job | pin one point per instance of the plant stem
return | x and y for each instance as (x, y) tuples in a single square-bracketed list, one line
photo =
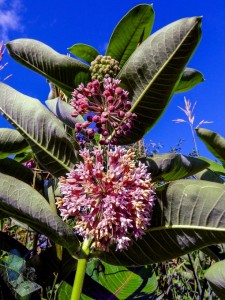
[(195, 275), (194, 140), (81, 269)]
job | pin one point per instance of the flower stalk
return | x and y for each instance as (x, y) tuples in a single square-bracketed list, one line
[(81, 270)]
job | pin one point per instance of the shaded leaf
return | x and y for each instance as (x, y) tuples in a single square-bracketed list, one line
[(188, 215), (44, 133), (152, 71), (214, 142), (189, 79), (24, 156), (25, 204), (13, 168), (85, 52), (168, 167), (11, 142), (209, 175), (62, 70), (63, 111), (130, 32), (216, 277)]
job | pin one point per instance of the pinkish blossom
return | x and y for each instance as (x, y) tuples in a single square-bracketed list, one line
[(107, 108), (110, 196)]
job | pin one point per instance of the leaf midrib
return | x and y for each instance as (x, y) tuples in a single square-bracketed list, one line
[(33, 67), (162, 68), (32, 139), (183, 227)]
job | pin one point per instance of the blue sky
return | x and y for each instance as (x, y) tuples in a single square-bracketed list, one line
[(62, 24)]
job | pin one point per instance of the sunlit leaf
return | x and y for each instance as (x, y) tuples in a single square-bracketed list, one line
[(214, 142), (25, 204), (216, 277), (119, 282), (104, 281), (62, 70), (130, 32), (43, 132), (152, 71), (213, 165), (11, 142), (63, 111), (190, 78), (168, 167), (85, 52)]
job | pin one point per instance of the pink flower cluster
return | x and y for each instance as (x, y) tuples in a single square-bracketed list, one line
[(110, 197), (107, 106)]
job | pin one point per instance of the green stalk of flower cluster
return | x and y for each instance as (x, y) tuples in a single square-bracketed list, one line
[(81, 270)]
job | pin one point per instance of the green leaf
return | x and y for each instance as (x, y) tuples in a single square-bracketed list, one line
[(104, 281), (130, 32), (152, 71), (24, 156), (44, 133), (213, 165), (189, 79), (25, 204), (168, 167), (209, 175), (216, 277), (85, 52), (188, 215), (13, 168), (214, 142), (119, 282), (64, 291), (63, 111), (11, 142), (62, 70)]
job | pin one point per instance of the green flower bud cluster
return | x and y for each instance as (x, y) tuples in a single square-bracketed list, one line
[(104, 67)]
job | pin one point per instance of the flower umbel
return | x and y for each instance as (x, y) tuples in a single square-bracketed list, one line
[(110, 200), (107, 106)]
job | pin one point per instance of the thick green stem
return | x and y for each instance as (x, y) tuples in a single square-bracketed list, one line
[(81, 269)]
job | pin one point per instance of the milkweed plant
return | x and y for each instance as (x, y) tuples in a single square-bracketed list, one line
[(101, 211)]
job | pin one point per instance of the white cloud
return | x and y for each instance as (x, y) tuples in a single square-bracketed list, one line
[(10, 18)]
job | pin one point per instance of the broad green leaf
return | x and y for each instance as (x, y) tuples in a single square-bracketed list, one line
[(213, 165), (188, 215), (209, 175), (216, 277), (63, 111), (152, 71), (130, 32), (64, 291), (25, 204), (24, 156), (168, 167), (13, 168), (119, 282), (43, 132), (104, 281), (190, 78), (85, 52), (214, 142), (62, 70), (11, 142)]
